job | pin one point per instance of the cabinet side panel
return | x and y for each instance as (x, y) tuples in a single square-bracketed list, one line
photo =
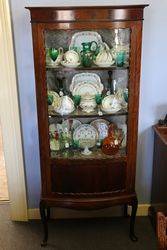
[(41, 103), (134, 89)]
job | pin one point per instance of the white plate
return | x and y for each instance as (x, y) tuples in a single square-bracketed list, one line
[(85, 89), (102, 127), (86, 135), (87, 78), (83, 37), (65, 64), (74, 123)]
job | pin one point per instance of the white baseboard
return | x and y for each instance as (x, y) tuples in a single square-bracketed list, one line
[(62, 213)]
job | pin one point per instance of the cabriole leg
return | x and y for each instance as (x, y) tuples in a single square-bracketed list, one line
[(44, 219), (126, 210), (134, 205), (48, 213)]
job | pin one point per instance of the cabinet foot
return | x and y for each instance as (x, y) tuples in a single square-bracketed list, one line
[(44, 219), (134, 205)]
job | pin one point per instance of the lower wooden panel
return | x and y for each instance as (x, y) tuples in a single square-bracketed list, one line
[(88, 177)]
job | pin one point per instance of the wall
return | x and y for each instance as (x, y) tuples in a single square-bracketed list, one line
[(153, 98)]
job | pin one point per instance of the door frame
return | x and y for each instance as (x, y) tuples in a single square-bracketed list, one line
[(10, 119)]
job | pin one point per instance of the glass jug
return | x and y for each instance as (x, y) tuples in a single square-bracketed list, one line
[(88, 53)]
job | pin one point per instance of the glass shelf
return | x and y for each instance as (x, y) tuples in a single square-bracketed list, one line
[(62, 68), (97, 154), (82, 114)]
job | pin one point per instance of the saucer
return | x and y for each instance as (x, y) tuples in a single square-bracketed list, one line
[(69, 65), (103, 65)]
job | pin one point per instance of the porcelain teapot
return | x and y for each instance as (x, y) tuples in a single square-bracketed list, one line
[(104, 57), (71, 57)]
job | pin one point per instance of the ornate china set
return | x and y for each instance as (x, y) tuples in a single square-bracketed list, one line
[(87, 86), (86, 48), (86, 93), (71, 133)]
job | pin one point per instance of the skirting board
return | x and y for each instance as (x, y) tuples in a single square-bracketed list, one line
[(61, 213)]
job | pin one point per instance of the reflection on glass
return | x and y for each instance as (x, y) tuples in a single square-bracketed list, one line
[(83, 96)]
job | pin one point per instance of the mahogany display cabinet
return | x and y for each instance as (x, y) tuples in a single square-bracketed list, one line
[(87, 71)]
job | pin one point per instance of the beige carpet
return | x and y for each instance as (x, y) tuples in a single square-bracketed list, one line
[(3, 179)]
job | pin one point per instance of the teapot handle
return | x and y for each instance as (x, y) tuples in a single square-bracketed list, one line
[(93, 42), (60, 50)]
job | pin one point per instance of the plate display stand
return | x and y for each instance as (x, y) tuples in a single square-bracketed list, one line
[(87, 70)]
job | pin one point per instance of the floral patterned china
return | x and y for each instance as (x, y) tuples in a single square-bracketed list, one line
[(86, 78), (111, 104), (86, 134), (85, 89), (104, 57), (71, 59), (88, 103), (66, 106), (102, 127), (84, 37), (54, 99)]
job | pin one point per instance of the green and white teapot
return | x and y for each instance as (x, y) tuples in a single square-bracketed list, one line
[(104, 57)]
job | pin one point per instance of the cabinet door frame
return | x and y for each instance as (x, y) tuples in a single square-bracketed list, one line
[(38, 30), (10, 119)]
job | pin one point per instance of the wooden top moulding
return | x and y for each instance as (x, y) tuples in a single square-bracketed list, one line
[(90, 13)]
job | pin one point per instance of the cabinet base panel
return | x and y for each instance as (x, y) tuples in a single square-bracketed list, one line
[(88, 204)]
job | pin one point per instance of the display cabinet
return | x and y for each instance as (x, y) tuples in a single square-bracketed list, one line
[(87, 71)]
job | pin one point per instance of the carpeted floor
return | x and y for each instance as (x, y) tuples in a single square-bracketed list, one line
[(91, 234)]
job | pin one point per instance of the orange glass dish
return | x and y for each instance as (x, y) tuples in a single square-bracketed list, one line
[(112, 142)]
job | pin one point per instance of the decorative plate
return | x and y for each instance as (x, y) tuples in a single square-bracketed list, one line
[(82, 37), (102, 127), (69, 65), (56, 99), (85, 89), (74, 123), (66, 106), (86, 135), (86, 78), (110, 104)]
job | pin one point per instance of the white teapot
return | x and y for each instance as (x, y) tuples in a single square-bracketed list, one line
[(104, 57), (71, 57)]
